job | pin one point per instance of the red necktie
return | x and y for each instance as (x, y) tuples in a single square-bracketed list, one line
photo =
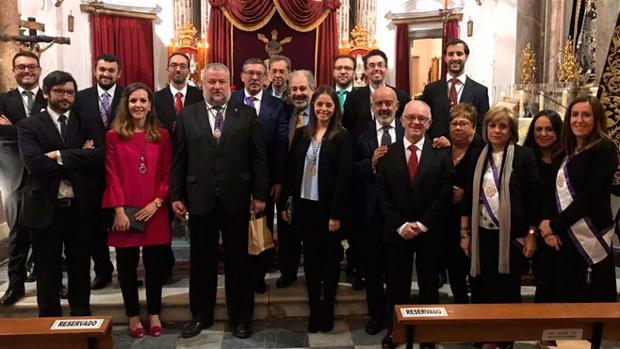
[(452, 95), (412, 164), (178, 103)]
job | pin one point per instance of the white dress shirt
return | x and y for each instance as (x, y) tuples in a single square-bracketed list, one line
[(460, 83), (419, 145), (174, 91), (25, 99), (256, 100)]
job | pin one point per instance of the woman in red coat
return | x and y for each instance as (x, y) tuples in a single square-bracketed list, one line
[(137, 159)]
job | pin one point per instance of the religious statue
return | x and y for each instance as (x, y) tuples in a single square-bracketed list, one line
[(274, 47)]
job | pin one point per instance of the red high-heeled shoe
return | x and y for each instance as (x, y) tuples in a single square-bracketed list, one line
[(137, 333), (156, 331)]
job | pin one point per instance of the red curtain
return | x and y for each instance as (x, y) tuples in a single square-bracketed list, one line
[(131, 40), (450, 31), (402, 57), (218, 37), (327, 50)]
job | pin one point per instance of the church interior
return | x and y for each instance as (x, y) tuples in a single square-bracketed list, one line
[(531, 55)]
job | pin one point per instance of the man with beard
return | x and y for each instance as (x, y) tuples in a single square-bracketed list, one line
[(456, 88), (344, 68), (279, 68), (96, 105), (220, 176), (370, 144), (16, 105), (273, 120), (357, 109), (63, 156)]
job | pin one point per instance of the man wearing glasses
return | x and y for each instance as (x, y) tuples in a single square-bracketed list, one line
[(16, 105), (344, 68), (357, 109)]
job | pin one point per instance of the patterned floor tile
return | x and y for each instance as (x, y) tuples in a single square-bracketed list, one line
[(339, 336)]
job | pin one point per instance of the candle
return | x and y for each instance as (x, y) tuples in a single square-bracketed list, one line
[(521, 103), (565, 98), (541, 101)]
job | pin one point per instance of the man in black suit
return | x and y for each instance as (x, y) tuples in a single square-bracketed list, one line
[(219, 175), (96, 106), (457, 87), (357, 106), (370, 144), (414, 189), (273, 120), (16, 105), (344, 68), (178, 94), (279, 68), (62, 155)]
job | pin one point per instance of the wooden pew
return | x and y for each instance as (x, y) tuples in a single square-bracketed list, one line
[(37, 333), (506, 322)]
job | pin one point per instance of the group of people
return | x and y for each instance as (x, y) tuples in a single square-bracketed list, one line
[(367, 164)]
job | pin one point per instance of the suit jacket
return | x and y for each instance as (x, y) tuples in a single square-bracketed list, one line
[(364, 177), (37, 135), (274, 122), (436, 96), (87, 107), (335, 164), (164, 105), (425, 201), (357, 106), (233, 171), (11, 166)]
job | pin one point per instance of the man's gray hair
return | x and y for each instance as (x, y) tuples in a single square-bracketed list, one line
[(424, 104), (216, 67), (307, 74)]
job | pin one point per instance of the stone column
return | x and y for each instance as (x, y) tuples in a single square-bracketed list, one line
[(556, 17), (530, 28), (9, 25)]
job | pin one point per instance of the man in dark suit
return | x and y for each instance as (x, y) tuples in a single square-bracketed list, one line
[(370, 144), (61, 155), (457, 87), (344, 68), (170, 100), (16, 105), (279, 68), (219, 175), (357, 106), (414, 189), (273, 120), (96, 106)]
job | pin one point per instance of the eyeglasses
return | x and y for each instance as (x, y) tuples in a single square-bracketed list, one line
[(461, 124), (254, 72), (60, 92), (23, 67), (412, 118), (345, 67), (376, 65), (183, 66)]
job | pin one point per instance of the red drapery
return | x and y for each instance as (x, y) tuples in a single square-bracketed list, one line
[(402, 57), (251, 15), (450, 31), (131, 40)]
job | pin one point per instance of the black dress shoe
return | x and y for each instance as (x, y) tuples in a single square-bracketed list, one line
[(284, 281), (388, 342), (327, 324), (260, 287), (373, 327), (32, 277), (242, 330), (314, 322), (359, 283), (100, 282), (63, 292), (12, 296), (193, 328)]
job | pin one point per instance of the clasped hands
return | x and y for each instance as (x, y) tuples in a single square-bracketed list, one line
[(121, 221), (411, 230), (551, 238)]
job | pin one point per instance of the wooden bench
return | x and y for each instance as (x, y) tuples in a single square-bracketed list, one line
[(37, 333), (506, 322)]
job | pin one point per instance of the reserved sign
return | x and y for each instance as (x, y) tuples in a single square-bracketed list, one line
[(77, 324), (562, 334), (423, 312)]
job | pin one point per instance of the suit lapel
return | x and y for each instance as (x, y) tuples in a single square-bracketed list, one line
[(73, 130), (201, 118), (371, 136), (39, 103), (467, 94), (365, 103), (229, 120), (20, 109), (50, 126), (401, 162)]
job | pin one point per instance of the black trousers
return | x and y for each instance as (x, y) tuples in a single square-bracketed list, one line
[(453, 258), (19, 241), (373, 265), (262, 262), (289, 246), (68, 229), (545, 269), (100, 251), (399, 265), (154, 270), (322, 254), (491, 286), (204, 241)]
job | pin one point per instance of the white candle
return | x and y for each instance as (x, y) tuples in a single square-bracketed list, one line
[(541, 101), (565, 98), (521, 103)]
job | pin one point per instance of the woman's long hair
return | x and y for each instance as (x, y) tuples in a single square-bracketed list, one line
[(569, 140), (556, 123), (123, 124), (336, 120)]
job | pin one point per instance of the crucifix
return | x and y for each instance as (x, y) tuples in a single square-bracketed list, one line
[(32, 40)]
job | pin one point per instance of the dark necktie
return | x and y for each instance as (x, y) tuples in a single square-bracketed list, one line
[(29, 100), (413, 162), (249, 101), (178, 103), (386, 139), (342, 96), (453, 95), (105, 109), (62, 120), (218, 125)]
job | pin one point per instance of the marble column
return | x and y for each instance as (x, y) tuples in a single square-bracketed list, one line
[(530, 28), (9, 24), (557, 14)]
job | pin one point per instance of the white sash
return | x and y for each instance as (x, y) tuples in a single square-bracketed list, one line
[(593, 245)]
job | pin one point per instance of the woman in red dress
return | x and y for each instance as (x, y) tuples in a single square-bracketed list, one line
[(138, 153)]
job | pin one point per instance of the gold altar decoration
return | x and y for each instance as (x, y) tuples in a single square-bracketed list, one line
[(187, 41), (528, 70), (569, 70), (274, 47), (360, 40)]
